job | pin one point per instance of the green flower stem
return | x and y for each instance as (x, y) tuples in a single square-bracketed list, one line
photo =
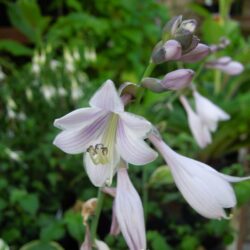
[(148, 70), (98, 210), (217, 81), (141, 91), (151, 66)]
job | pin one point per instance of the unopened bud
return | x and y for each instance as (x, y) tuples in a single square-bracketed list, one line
[(196, 54), (177, 79), (152, 84), (170, 50), (171, 27), (189, 25)]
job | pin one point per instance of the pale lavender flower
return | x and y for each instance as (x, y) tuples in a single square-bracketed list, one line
[(197, 54), (199, 130), (104, 132), (208, 112), (129, 212), (226, 65), (206, 190)]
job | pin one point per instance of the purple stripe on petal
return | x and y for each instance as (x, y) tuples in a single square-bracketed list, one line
[(77, 141), (78, 118), (107, 98)]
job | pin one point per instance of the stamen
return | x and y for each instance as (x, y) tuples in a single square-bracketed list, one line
[(98, 154)]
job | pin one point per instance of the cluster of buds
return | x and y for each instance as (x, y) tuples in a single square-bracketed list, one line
[(179, 43)]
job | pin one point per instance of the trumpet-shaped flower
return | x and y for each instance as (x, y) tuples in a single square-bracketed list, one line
[(199, 130), (206, 190), (226, 65), (129, 212), (104, 132), (209, 113)]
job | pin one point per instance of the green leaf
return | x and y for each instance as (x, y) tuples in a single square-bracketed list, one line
[(242, 190), (74, 225), (161, 176), (53, 231), (39, 245), (189, 243), (30, 203), (157, 241)]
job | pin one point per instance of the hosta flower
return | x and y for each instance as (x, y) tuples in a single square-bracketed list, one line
[(128, 212), (209, 113), (226, 65), (199, 129), (104, 132), (205, 189)]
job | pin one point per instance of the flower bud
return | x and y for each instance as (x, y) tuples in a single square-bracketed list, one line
[(153, 84), (171, 27), (177, 79), (170, 50), (189, 25), (196, 54)]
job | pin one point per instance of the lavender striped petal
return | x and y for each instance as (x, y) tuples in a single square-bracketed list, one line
[(78, 118), (136, 123), (76, 141), (133, 149), (129, 212), (107, 98)]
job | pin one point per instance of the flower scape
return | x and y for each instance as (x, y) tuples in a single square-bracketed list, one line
[(111, 138)]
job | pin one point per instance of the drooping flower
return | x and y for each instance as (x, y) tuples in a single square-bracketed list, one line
[(199, 130), (104, 132), (226, 65), (209, 113), (128, 212), (205, 189)]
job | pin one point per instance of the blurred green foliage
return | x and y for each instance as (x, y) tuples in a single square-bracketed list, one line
[(67, 58)]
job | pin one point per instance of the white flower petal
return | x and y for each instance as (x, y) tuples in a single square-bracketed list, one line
[(199, 130), (129, 212), (132, 149), (136, 123), (76, 141), (205, 189), (209, 113), (98, 174), (100, 245), (107, 98), (78, 118)]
